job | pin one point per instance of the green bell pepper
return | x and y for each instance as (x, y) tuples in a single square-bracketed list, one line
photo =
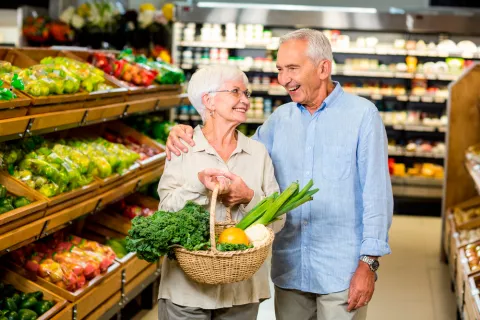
[(26, 314), (20, 202), (28, 303)]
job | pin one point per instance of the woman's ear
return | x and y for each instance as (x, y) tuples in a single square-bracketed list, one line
[(207, 101)]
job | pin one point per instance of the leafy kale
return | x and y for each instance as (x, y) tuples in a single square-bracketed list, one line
[(232, 247), (153, 237)]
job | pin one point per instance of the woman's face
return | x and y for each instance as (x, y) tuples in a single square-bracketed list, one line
[(231, 102)]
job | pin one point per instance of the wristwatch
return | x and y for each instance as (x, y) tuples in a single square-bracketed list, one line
[(372, 263)]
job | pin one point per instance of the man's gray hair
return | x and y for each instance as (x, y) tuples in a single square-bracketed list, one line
[(319, 47), (208, 79)]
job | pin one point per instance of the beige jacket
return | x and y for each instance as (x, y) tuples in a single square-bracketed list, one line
[(179, 183)]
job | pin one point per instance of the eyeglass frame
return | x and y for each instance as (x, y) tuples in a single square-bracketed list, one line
[(247, 92)]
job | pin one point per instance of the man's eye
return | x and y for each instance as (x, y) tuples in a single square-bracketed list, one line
[(235, 91)]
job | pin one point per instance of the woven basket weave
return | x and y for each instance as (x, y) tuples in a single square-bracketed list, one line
[(216, 267)]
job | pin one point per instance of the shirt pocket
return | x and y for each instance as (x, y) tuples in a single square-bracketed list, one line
[(336, 162)]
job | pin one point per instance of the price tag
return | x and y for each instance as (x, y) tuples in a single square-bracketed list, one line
[(427, 99), (414, 98), (377, 97), (402, 98), (440, 100)]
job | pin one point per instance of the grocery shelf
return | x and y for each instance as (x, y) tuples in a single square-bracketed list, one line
[(474, 171), (417, 187), (378, 50), (20, 127), (401, 152), (416, 128)]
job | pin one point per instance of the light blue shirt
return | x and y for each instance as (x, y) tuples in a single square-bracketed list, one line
[(343, 148)]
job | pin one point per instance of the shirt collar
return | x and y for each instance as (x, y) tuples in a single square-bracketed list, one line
[(201, 143), (330, 99)]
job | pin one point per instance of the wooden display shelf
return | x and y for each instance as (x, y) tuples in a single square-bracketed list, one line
[(19, 216), (25, 234), (64, 199), (65, 314), (463, 131), (120, 129), (20, 101), (131, 265), (113, 301), (471, 310), (13, 113), (469, 204), (92, 284), (26, 286), (39, 54), (132, 286), (463, 272)]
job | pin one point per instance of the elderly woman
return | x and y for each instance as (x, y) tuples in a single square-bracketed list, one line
[(243, 170)]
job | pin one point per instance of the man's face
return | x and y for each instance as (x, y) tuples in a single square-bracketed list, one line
[(298, 73)]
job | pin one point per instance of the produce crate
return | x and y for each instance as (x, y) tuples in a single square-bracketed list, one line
[(104, 307), (65, 314), (116, 91), (26, 286), (16, 238), (114, 193), (18, 217), (472, 298), (19, 59), (62, 200), (463, 272), (124, 131), (114, 220), (131, 265), (135, 92), (93, 284), (20, 101)]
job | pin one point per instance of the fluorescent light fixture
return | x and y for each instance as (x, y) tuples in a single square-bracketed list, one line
[(286, 7)]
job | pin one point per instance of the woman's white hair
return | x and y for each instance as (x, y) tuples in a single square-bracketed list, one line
[(210, 79), (319, 47)]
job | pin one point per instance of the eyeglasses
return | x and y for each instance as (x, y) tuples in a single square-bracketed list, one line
[(235, 92)]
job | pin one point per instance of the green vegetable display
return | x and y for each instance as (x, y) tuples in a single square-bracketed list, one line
[(54, 167), (10, 202), (152, 237), (15, 305), (119, 246), (153, 127)]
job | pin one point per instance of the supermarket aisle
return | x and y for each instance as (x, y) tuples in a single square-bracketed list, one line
[(412, 284)]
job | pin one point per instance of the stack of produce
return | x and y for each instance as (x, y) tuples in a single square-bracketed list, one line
[(58, 75), (472, 253), (464, 216), (131, 211), (67, 261), (54, 167), (119, 246), (167, 74), (17, 305), (152, 237), (91, 78), (122, 69), (131, 143), (137, 70), (154, 127), (10, 202)]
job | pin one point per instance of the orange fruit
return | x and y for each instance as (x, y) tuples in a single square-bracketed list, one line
[(234, 236)]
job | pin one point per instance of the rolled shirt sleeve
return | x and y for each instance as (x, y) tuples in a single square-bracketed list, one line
[(377, 189)]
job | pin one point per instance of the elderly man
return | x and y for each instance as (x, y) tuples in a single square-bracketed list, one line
[(325, 259)]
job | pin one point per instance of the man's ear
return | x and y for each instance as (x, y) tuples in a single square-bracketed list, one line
[(325, 69)]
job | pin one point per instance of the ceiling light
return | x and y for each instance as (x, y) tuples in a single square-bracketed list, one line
[(285, 7)]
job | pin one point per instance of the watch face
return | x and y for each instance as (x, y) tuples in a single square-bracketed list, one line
[(375, 265)]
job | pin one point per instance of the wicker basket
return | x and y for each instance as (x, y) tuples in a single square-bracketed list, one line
[(215, 267)]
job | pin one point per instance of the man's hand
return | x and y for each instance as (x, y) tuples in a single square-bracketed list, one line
[(361, 287), (174, 144), (210, 178), (239, 192)]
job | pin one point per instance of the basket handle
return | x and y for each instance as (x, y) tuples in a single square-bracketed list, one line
[(213, 205)]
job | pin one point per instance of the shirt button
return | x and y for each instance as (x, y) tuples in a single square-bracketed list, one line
[(305, 222)]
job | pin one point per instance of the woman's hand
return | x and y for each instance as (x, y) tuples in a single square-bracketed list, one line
[(210, 178), (174, 143), (238, 193)]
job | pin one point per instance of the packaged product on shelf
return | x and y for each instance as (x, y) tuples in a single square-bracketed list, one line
[(53, 167), (67, 261), (10, 202)]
